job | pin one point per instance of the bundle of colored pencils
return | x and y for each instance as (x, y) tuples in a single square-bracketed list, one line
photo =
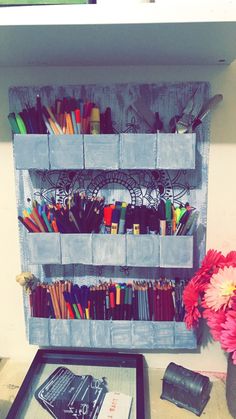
[(146, 300), (80, 214), (67, 116)]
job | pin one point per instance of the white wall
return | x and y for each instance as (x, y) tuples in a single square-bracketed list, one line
[(221, 233)]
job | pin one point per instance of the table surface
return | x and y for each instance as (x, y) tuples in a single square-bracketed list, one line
[(12, 374)]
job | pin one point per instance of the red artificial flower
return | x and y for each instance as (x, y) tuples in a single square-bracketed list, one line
[(211, 294), (211, 261), (212, 258), (231, 258), (215, 319), (228, 334), (219, 292), (191, 297), (233, 306)]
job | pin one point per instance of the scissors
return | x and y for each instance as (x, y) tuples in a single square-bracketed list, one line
[(182, 124)]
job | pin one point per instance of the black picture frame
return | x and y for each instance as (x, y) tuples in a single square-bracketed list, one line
[(92, 359)]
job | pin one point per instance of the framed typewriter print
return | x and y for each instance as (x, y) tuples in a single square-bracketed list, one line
[(81, 385)]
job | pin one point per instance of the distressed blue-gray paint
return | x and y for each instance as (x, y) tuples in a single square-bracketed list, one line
[(143, 250), (101, 151), (189, 185), (176, 251), (176, 151), (110, 334), (31, 151), (66, 151), (138, 151)]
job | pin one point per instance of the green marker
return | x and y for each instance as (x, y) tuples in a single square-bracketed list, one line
[(21, 124), (13, 123), (168, 217), (179, 212)]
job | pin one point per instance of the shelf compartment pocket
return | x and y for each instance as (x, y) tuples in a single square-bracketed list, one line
[(44, 248), (66, 152), (126, 334), (38, 331), (176, 251), (80, 333), (60, 332), (109, 249), (176, 151), (138, 151), (184, 338), (76, 248), (143, 250), (163, 334), (31, 151), (121, 333), (101, 151), (100, 333), (142, 334)]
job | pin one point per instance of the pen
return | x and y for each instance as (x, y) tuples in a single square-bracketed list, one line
[(69, 304), (153, 221), (26, 119), (29, 224), (49, 122), (74, 305), (136, 221), (69, 125), (143, 219), (48, 126), (129, 219), (168, 216), (162, 217), (72, 103), (121, 229), (52, 120), (115, 220), (14, 126), (107, 211), (78, 121)]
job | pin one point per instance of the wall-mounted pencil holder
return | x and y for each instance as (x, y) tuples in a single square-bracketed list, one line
[(176, 251), (163, 334), (183, 336), (80, 333), (120, 332), (105, 151), (31, 151), (176, 151), (137, 151), (109, 249), (59, 332), (39, 331), (142, 331), (143, 250), (123, 334), (44, 248), (100, 333), (101, 151), (66, 152), (76, 248)]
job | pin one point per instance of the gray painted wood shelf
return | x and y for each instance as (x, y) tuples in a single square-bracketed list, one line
[(107, 152), (128, 166), (144, 250), (111, 334)]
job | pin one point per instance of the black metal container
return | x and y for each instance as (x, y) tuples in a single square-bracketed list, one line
[(186, 388)]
